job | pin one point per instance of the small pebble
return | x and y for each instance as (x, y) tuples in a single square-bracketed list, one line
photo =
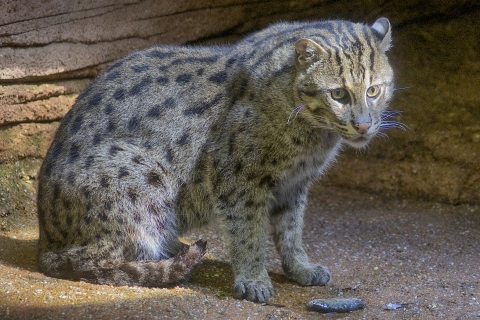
[(394, 306), (339, 305)]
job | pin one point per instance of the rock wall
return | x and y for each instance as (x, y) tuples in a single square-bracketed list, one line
[(50, 50)]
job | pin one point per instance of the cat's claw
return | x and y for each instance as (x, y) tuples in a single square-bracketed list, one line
[(253, 290)]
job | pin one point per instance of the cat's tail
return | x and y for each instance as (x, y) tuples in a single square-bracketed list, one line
[(149, 273)]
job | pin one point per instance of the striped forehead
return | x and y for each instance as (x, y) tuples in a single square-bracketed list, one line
[(352, 48)]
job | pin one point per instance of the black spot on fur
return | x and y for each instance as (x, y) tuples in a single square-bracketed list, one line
[(183, 78), (132, 195), (97, 138), (238, 167), (89, 161), (133, 124), (249, 203), (108, 205), (64, 234), (296, 141), (153, 210), (183, 140), (110, 126), (155, 112), (76, 125), (86, 191), (56, 149), (103, 217), (116, 65), (200, 71), (112, 75), (143, 84), (114, 150), (123, 172), (219, 77), (119, 94), (104, 182), (136, 217), (71, 178), (231, 143), (285, 69), (169, 155), (137, 159), (199, 110), (140, 68), (85, 93), (54, 152), (230, 62), (95, 100), (154, 179), (162, 80), (169, 103), (240, 86), (56, 191), (108, 109), (266, 181), (87, 219), (74, 153), (69, 221)]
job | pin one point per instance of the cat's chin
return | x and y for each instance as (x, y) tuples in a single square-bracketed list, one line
[(358, 143)]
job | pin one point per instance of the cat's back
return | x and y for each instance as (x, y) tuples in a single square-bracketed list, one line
[(161, 100), (162, 85)]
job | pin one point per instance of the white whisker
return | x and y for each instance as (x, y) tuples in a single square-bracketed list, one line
[(382, 135), (393, 124), (297, 110), (395, 89)]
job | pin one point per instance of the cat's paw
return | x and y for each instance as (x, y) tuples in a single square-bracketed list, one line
[(311, 275), (255, 290)]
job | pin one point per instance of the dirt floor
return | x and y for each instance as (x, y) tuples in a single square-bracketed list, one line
[(425, 255)]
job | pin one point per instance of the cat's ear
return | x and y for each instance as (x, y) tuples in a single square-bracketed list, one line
[(383, 31), (308, 52)]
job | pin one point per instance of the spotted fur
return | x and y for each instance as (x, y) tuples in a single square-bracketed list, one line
[(172, 137)]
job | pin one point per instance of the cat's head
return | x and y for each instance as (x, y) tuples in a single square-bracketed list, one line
[(344, 81)]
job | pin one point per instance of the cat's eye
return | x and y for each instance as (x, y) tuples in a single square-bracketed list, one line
[(341, 95), (338, 94), (373, 91)]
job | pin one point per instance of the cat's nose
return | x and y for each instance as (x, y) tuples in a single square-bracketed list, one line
[(362, 128)]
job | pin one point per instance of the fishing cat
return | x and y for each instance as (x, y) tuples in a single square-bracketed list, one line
[(172, 137)]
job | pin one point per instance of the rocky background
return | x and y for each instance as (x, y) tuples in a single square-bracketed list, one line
[(50, 50)]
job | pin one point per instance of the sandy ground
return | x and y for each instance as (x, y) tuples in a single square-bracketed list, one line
[(426, 255)]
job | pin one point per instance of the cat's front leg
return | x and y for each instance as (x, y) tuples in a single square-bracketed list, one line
[(246, 222), (287, 219)]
